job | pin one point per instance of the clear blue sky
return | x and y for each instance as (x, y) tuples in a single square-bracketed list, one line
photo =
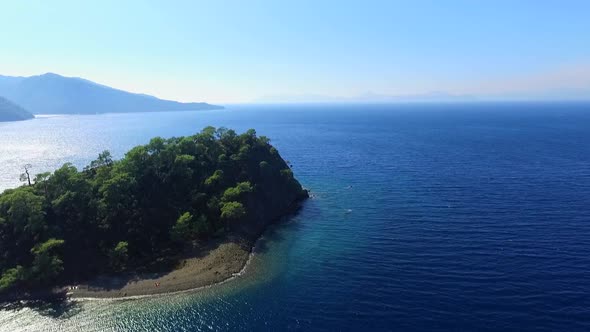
[(238, 51)]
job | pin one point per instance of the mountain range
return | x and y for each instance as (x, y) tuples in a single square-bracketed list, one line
[(55, 94), (564, 94), (367, 97)]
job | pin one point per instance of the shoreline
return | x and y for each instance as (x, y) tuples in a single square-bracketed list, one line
[(214, 263), (78, 297), (220, 265), (194, 275)]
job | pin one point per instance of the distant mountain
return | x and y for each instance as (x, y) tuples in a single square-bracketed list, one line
[(10, 111), (55, 94), (564, 94), (368, 97)]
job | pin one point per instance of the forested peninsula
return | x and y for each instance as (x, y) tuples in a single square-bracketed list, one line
[(144, 213)]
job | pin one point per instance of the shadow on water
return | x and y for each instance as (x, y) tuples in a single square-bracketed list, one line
[(271, 233), (275, 232), (57, 305)]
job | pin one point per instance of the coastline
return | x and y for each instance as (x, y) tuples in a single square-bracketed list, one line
[(213, 263), (222, 264), (223, 261), (189, 290)]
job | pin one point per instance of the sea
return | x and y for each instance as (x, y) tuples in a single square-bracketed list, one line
[(423, 217)]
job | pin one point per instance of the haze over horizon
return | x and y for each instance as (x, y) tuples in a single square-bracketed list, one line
[(292, 51)]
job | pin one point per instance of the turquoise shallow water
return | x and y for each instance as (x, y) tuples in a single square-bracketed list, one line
[(424, 217)]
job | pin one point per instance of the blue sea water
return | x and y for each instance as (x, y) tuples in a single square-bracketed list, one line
[(424, 217)]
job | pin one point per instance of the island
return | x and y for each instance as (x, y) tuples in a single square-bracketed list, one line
[(171, 215), (10, 111)]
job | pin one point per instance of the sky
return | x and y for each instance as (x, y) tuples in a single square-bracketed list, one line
[(251, 50)]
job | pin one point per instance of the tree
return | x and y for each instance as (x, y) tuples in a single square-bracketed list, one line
[(215, 178), (236, 193), (182, 230), (120, 256), (231, 212), (12, 277), (188, 227), (41, 178), (183, 166), (26, 177), (104, 159), (23, 209), (47, 263)]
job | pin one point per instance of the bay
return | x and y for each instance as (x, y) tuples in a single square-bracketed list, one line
[(437, 217)]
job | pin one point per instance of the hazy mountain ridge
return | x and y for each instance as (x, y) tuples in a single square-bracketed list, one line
[(54, 94), (10, 111), (369, 97), (565, 94)]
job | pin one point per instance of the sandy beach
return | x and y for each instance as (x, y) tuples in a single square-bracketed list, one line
[(219, 262)]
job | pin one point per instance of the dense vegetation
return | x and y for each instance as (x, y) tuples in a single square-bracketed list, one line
[(9, 111), (121, 215)]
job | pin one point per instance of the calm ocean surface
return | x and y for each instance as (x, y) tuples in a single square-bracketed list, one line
[(425, 218)]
